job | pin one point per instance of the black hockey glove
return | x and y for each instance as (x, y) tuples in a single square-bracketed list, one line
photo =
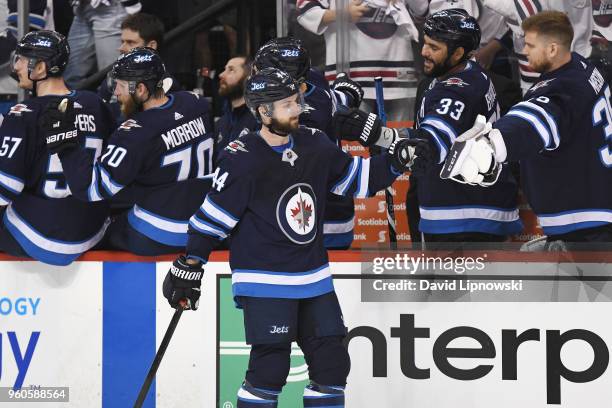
[(346, 85), (57, 123), (414, 155), (358, 126), (182, 283)]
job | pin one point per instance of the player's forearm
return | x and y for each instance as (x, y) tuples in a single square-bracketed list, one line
[(199, 245), (520, 140), (382, 173), (77, 169)]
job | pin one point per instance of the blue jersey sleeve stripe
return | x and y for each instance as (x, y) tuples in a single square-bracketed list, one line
[(535, 122), (550, 120), (206, 228), (364, 179), (11, 183), (218, 214), (4, 200), (439, 142), (342, 186), (109, 185), (441, 126), (93, 194)]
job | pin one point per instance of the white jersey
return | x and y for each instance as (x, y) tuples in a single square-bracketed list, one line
[(516, 11), (380, 44)]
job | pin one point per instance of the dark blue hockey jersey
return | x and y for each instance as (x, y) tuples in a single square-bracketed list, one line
[(159, 158), (272, 201), (41, 214), (562, 135), (234, 123), (449, 108), (321, 104)]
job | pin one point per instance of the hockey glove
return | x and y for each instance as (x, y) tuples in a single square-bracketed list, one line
[(472, 158), (182, 283), (357, 126), (58, 125), (411, 155), (346, 85)]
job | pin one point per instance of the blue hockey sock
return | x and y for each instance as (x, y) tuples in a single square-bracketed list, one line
[(323, 396), (251, 397)]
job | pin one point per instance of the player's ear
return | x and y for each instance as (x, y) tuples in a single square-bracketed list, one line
[(39, 70), (553, 49), (152, 44), (457, 55), (141, 90)]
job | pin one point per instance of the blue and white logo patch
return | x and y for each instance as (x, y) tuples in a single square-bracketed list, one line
[(296, 213)]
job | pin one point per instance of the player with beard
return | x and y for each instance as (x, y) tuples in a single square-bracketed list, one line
[(156, 159), (269, 192), (289, 55), (561, 134), (41, 218), (138, 30), (237, 118), (460, 91)]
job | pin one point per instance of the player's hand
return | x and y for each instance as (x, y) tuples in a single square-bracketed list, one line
[(472, 158), (58, 125), (182, 283), (414, 155), (357, 125), (346, 85)]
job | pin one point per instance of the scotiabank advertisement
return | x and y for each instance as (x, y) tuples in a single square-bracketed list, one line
[(425, 330)]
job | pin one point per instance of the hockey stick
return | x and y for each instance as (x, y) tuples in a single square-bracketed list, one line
[(142, 395), (380, 104)]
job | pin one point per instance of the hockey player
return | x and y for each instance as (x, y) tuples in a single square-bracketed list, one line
[(137, 30), (155, 160), (561, 134), (237, 118), (269, 192), (41, 219), (460, 91), (321, 102)]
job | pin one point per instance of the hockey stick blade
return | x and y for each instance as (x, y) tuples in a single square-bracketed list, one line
[(142, 395)]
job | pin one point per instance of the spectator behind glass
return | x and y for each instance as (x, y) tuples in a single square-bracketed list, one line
[(380, 45), (579, 13), (237, 118), (94, 36), (138, 30)]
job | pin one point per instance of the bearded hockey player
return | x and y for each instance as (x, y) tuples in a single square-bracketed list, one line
[(561, 134), (288, 54), (449, 212), (269, 192), (155, 161), (41, 219)]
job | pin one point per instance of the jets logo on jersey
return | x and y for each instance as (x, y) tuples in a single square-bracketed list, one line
[(128, 124), (296, 213), (18, 109), (541, 84), (236, 146), (454, 81)]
